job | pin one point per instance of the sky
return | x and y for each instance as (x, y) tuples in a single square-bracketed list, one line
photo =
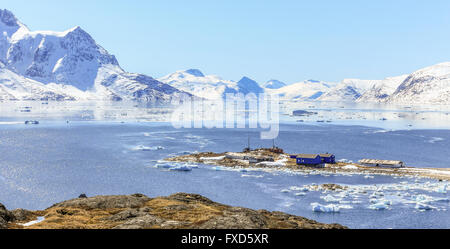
[(287, 40)]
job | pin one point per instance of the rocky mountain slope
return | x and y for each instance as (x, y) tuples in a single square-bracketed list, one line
[(71, 59), (381, 89), (178, 211), (428, 85)]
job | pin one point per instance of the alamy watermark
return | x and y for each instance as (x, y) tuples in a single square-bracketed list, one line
[(233, 111)]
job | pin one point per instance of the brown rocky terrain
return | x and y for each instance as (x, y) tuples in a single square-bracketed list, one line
[(178, 211)]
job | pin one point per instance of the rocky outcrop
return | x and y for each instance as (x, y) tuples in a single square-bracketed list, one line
[(5, 217), (178, 211)]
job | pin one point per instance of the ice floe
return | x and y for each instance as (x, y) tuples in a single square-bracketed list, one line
[(319, 208), (379, 206), (253, 176), (147, 148), (181, 168)]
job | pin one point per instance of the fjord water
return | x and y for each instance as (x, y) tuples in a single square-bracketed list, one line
[(55, 161)]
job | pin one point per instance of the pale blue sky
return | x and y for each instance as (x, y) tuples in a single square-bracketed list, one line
[(286, 40)]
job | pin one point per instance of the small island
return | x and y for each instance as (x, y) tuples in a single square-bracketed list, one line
[(276, 159)]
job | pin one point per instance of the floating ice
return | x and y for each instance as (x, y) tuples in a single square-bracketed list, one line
[(330, 198), (350, 167), (442, 189), (219, 168), (435, 139), (379, 206), (164, 165), (147, 148), (181, 168), (424, 206), (285, 191), (254, 176), (319, 208)]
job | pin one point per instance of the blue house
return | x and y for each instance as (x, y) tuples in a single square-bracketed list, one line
[(314, 159), (309, 159), (328, 158)]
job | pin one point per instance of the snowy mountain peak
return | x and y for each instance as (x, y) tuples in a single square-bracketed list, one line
[(9, 24), (195, 72), (247, 85), (274, 84), (8, 18), (67, 65)]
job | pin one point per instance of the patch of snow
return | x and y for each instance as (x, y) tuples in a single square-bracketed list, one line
[(34, 222)]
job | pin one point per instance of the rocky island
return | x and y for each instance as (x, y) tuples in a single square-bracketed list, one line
[(268, 158), (178, 211)]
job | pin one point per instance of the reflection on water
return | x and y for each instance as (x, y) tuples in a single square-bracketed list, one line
[(376, 115)]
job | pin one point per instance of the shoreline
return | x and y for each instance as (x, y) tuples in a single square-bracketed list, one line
[(283, 162)]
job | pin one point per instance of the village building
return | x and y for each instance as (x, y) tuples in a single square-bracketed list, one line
[(382, 163)]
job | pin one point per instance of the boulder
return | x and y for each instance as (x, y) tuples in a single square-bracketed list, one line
[(22, 215), (5, 217)]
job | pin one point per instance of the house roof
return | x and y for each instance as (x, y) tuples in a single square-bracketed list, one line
[(375, 161), (326, 155), (310, 156)]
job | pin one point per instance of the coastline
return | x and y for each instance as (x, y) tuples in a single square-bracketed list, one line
[(284, 162)]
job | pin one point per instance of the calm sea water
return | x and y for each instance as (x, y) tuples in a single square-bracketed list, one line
[(54, 161)]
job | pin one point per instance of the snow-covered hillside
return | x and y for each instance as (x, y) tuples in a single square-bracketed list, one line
[(382, 89), (74, 59), (209, 86), (428, 85), (348, 90), (425, 86), (305, 90), (204, 86)]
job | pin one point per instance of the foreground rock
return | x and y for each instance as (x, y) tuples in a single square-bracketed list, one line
[(178, 211)]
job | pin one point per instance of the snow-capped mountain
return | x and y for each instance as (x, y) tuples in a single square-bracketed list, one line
[(204, 86), (382, 89), (348, 90), (428, 85), (72, 58), (305, 90), (247, 85), (16, 87), (274, 84), (209, 86)]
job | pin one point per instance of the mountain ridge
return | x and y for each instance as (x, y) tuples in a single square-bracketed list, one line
[(71, 58)]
